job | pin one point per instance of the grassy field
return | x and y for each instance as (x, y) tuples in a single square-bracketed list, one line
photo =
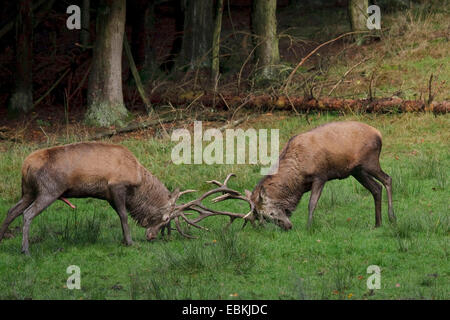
[(327, 262)]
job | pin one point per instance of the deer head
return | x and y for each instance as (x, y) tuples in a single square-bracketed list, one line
[(266, 209)]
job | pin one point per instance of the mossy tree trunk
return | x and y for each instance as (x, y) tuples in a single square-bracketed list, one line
[(215, 67), (357, 10), (21, 100), (105, 97), (197, 40), (264, 25)]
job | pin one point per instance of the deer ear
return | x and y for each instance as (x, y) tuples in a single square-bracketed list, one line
[(262, 192), (248, 194)]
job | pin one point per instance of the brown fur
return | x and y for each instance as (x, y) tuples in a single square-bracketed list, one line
[(332, 151), (92, 169)]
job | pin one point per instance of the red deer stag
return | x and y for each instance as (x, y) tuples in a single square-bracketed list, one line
[(111, 173), (332, 151)]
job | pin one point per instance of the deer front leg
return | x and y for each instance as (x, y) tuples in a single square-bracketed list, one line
[(118, 199)]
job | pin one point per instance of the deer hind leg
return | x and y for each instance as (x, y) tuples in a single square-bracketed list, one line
[(118, 202), (386, 180), (41, 203), (14, 212), (316, 191), (374, 187)]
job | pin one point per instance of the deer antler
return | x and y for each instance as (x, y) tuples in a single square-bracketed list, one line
[(204, 212)]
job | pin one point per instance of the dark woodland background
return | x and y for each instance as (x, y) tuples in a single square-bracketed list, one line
[(212, 54)]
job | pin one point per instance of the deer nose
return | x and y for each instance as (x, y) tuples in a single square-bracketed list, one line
[(287, 225), (151, 235)]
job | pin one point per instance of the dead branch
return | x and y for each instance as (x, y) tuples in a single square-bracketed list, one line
[(345, 75), (137, 78), (291, 75), (52, 87)]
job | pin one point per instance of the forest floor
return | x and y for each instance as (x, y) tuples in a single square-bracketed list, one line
[(329, 261)]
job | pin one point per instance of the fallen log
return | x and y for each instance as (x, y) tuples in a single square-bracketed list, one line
[(382, 105)]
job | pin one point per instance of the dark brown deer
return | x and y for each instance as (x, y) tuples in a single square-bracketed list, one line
[(332, 151), (108, 172)]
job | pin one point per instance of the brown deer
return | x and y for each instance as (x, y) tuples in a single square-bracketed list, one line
[(332, 151), (108, 172)]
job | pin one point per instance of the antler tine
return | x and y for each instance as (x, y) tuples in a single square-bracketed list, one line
[(220, 198), (191, 222), (184, 192), (207, 212), (228, 178), (177, 225), (240, 197), (220, 184), (203, 197)]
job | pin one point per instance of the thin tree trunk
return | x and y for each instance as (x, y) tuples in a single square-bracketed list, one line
[(175, 50), (357, 10), (105, 96), (136, 76), (85, 24), (264, 24), (216, 42), (149, 61), (197, 40), (141, 18), (21, 100)]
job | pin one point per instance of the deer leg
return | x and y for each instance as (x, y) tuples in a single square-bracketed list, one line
[(167, 227), (42, 201), (370, 184), (316, 191), (387, 182), (14, 212), (118, 194)]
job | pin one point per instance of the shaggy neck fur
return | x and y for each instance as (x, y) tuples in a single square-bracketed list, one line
[(148, 202), (286, 187)]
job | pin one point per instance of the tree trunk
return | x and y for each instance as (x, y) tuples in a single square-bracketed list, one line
[(85, 24), (105, 97), (264, 25), (197, 40), (175, 50), (358, 14), (215, 68), (142, 21), (21, 100)]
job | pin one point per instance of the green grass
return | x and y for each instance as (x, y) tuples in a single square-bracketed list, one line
[(329, 261)]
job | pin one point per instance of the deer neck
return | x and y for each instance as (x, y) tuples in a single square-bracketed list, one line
[(148, 201), (285, 188)]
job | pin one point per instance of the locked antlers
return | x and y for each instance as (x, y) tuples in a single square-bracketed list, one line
[(204, 212)]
